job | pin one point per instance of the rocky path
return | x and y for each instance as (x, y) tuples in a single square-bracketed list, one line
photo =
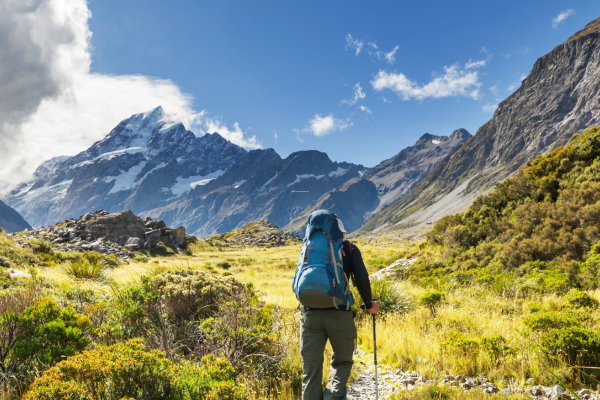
[(390, 381)]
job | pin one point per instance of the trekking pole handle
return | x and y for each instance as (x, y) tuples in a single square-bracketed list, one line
[(364, 307)]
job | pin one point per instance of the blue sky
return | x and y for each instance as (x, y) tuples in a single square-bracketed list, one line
[(286, 72)]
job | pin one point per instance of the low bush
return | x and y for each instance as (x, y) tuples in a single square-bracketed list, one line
[(496, 347), (247, 333), (128, 370), (544, 322), (431, 300), (190, 294), (578, 299), (576, 346), (84, 268), (224, 265)]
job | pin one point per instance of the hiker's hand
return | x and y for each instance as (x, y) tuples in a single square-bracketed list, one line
[(375, 307)]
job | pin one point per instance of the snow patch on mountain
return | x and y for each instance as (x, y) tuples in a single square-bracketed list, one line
[(238, 184), (130, 150), (304, 176), (126, 180), (184, 185), (337, 172), (435, 141), (270, 180)]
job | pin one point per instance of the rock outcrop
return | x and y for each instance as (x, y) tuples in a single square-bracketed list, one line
[(560, 97), (120, 234), (11, 220), (254, 234)]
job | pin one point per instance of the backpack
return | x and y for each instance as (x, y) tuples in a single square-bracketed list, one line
[(320, 281)]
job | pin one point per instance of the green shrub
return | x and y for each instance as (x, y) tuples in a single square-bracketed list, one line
[(224, 265), (128, 370), (496, 347), (578, 299), (247, 333), (140, 258), (48, 333), (544, 322), (190, 294), (575, 346), (84, 268), (431, 300)]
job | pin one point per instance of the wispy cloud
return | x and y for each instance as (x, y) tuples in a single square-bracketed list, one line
[(275, 136), (561, 17), (322, 126), (385, 100), (523, 51), (235, 135), (358, 94), (355, 44), (365, 109), (494, 89), (454, 82), (490, 108), (371, 48), (389, 57), (480, 63)]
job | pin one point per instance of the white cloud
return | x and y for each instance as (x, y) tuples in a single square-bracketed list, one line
[(490, 108), (561, 17), (354, 44), (454, 82), (385, 100), (481, 63), (51, 103), (235, 135), (275, 136), (389, 57), (365, 109), (506, 55), (358, 94), (494, 89), (321, 126), (523, 51)]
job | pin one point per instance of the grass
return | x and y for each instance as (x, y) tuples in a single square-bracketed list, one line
[(410, 341)]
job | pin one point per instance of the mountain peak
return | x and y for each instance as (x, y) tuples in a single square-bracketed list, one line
[(460, 133)]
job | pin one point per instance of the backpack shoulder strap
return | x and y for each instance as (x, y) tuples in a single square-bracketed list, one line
[(347, 246)]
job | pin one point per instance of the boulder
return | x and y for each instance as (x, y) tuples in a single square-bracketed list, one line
[(152, 238), (134, 244), (179, 237), (15, 274), (158, 224), (117, 227)]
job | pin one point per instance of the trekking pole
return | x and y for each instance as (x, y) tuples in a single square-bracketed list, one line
[(375, 359), (374, 354)]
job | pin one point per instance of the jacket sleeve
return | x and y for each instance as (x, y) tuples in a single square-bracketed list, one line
[(361, 276)]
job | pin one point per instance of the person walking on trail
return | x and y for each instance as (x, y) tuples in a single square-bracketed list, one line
[(321, 285)]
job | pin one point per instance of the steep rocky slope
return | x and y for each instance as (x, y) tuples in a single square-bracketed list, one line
[(145, 162), (11, 220), (383, 184), (560, 97)]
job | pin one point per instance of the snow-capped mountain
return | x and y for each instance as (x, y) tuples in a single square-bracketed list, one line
[(147, 161), (259, 186)]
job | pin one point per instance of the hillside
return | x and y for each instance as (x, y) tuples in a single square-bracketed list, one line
[(560, 96), (542, 225), (11, 220)]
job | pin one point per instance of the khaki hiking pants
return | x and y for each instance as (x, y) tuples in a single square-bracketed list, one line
[(317, 326)]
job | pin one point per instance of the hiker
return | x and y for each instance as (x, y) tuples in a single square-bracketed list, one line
[(325, 304)]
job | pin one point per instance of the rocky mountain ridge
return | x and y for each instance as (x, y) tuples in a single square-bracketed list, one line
[(358, 199), (560, 97)]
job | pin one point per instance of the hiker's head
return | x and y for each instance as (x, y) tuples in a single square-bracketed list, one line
[(341, 225)]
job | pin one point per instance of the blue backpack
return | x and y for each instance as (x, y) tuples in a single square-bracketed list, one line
[(320, 281)]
